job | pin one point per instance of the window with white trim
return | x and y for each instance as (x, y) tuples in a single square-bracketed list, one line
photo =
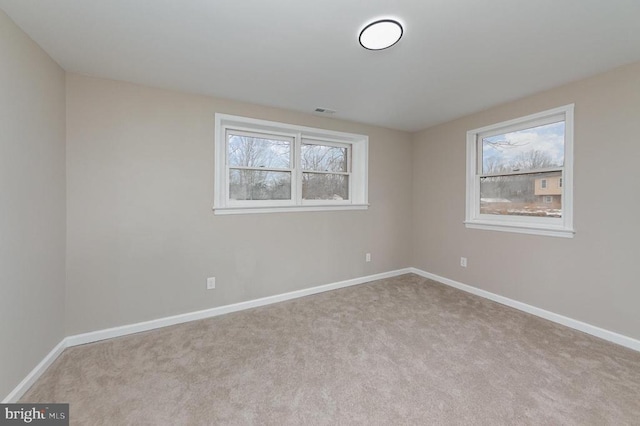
[(509, 167), (264, 166)]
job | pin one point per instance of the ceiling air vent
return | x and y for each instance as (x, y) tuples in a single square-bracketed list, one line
[(325, 110)]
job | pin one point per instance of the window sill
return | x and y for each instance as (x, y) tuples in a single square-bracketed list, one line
[(288, 209), (522, 229)]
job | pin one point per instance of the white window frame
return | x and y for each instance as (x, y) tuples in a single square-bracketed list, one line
[(349, 173), (548, 226), (271, 135), (358, 151)]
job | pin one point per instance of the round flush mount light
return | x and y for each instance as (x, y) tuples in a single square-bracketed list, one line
[(380, 34)]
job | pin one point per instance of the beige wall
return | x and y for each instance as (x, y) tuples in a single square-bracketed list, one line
[(594, 277), (32, 206), (142, 237)]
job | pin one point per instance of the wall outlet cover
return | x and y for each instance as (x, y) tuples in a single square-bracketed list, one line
[(211, 283)]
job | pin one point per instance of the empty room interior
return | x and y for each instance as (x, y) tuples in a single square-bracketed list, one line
[(340, 212)]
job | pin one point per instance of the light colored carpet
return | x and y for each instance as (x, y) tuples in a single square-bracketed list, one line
[(404, 350)]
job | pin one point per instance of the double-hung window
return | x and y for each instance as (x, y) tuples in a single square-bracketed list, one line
[(326, 170), (520, 174), (259, 166), (264, 166)]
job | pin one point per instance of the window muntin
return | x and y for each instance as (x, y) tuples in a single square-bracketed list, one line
[(512, 169), (264, 166)]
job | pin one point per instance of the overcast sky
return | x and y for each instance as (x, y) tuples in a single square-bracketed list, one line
[(548, 138)]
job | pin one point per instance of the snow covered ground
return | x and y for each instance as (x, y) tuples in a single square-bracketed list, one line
[(518, 209)]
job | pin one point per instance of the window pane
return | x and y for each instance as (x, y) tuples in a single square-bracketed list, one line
[(259, 185), (522, 195), (323, 158), (325, 186), (251, 151), (529, 149)]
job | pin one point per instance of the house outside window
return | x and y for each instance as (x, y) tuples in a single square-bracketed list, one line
[(265, 167), (519, 175)]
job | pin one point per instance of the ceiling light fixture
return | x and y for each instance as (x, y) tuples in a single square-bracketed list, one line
[(381, 34)]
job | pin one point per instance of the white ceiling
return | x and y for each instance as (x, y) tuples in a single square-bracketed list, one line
[(456, 56)]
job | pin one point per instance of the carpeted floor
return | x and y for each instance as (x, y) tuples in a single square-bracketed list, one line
[(404, 350)]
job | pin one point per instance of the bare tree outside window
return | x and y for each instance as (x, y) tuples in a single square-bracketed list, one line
[(325, 172), (515, 169), (520, 175), (266, 167), (259, 167)]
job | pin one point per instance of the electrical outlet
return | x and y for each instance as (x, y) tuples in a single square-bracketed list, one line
[(211, 283), (463, 262), (367, 257)]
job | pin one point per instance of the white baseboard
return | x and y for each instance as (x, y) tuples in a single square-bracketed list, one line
[(551, 316), (80, 339), (94, 336), (25, 384)]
